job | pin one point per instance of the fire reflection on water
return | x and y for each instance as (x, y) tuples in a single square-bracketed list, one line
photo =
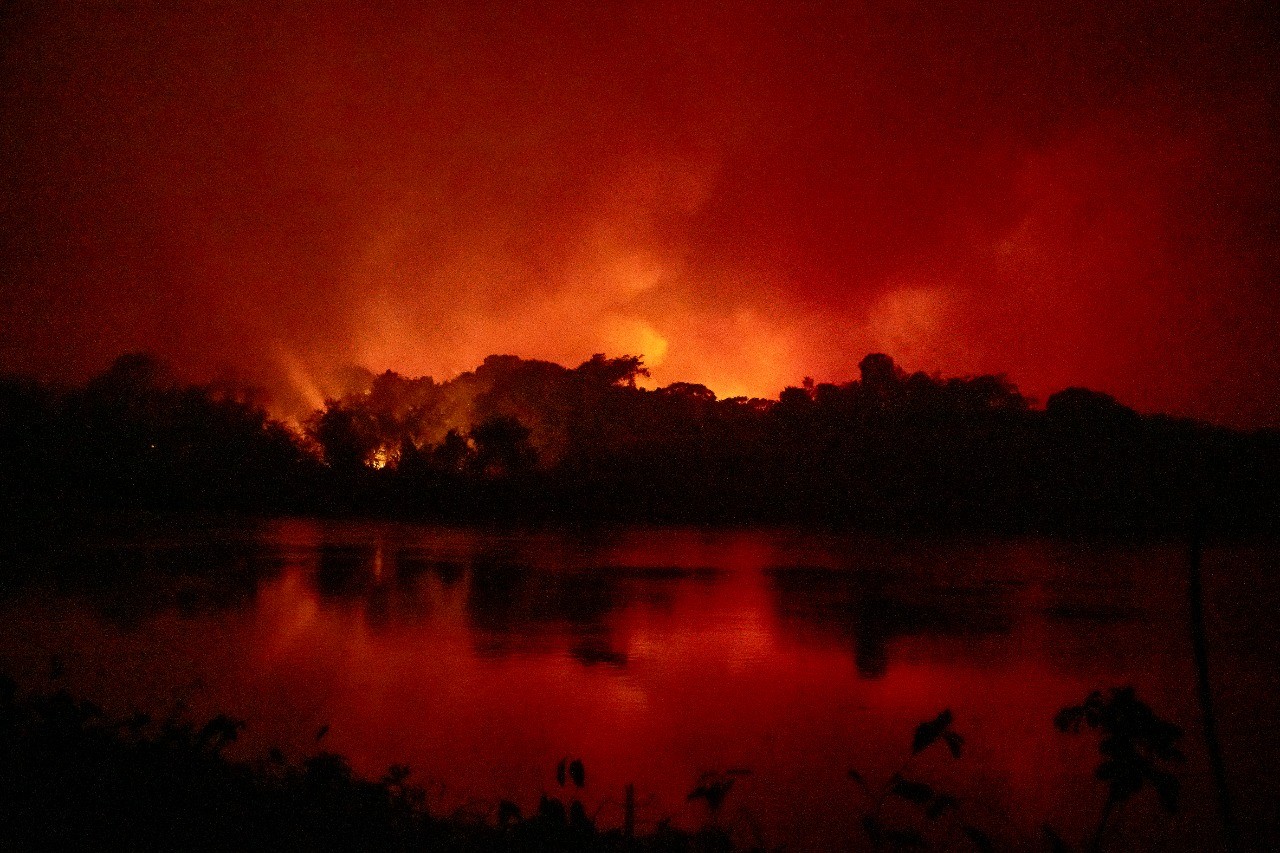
[(481, 658)]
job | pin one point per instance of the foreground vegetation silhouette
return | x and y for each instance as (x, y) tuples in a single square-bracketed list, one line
[(534, 441), (76, 778)]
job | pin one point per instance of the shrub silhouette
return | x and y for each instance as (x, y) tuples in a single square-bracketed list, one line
[(76, 778), (929, 805), (1134, 743)]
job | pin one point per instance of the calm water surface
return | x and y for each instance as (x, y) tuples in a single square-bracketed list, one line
[(480, 659)]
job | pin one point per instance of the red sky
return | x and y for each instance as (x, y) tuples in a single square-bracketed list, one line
[(746, 192)]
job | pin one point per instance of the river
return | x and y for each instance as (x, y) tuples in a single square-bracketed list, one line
[(482, 658)]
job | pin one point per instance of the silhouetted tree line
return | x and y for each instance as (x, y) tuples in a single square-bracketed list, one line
[(534, 440), (134, 438)]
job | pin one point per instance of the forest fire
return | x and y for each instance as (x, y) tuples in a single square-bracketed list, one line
[(380, 458), (671, 427), (1082, 197)]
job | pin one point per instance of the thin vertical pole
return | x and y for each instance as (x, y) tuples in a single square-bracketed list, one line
[(1200, 647), (629, 816)]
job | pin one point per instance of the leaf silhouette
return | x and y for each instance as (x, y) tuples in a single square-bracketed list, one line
[(980, 839), (577, 773), (578, 817), (396, 774), (929, 731), (508, 812), (552, 811), (871, 827), (1134, 738), (137, 722), (940, 805), (1166, 785), (219, 732), (915, 792), (713, 788), (1054, 840), (906, 837), (560, 772), (1069, 719)]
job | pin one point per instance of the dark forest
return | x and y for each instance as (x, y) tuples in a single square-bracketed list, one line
[(532, 441)]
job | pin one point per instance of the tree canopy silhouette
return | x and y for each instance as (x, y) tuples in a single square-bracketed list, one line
[(536, 439)]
